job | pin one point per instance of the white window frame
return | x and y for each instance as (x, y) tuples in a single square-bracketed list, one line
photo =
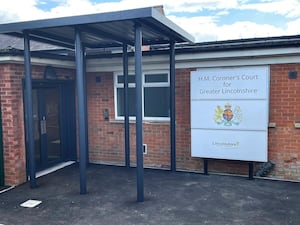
[(144, 85)]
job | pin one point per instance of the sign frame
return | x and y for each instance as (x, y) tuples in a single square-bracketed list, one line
[(224, 121)]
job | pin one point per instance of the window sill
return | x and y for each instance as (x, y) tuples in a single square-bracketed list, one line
[(144, 121)]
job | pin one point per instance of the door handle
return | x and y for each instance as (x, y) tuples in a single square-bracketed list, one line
[(43, 125)]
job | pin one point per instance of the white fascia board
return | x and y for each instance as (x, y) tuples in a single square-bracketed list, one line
[(54, 62), (38, 61), (186, 60), (239, 58), (204, 59), (238, 62), (157, 62), (8, 59), (238, 54)]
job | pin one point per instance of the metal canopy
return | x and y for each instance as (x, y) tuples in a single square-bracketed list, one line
[(102, 30), (137, 27)]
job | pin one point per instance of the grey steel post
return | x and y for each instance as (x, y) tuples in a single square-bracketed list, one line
[(85, 105), (250, 172), (126, 107), (205, 166), (29, 109), (81, 111), (139, 115), (172, 107)]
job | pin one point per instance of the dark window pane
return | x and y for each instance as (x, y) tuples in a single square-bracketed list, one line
[(156, 102), (120, 79), (156, 78), (131, 101), (131, 79)]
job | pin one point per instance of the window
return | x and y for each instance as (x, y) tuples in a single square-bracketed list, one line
[(156, 96)]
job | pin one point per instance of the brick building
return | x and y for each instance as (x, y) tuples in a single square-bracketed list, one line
[(55, 96), (279, 54)]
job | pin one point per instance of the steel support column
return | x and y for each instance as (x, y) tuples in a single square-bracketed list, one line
[(29, 110), (81, 111), (139, 115), (205, 166), (251, 166), (85, 105), (126, 107), (172, 107)]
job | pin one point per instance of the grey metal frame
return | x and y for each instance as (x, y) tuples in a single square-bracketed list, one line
[(144, 26), (139, 113), (150, 18), (172, 107), (29, 109), (81, 111), (126, 107)]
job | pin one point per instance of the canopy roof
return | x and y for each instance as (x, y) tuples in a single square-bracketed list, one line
[(102, 30), (146, 26)]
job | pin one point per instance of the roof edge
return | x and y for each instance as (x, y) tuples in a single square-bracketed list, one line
[(77, 20)]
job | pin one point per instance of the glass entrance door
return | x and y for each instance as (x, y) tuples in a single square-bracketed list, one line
[(54, 123), (47, 130)]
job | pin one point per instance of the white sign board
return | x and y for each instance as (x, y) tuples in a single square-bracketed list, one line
[(229, 113)]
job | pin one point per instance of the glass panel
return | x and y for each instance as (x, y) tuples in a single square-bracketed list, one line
[(52, 124), (156, 78), (131, 101), (156, 102), (36, 123), (131, 79)]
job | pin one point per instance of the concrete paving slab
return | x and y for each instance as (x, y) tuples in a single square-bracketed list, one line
[(170, 199)]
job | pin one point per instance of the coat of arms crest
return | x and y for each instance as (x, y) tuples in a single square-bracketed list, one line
[(228, 115)]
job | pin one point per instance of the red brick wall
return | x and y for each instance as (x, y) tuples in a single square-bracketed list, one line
[(12, 123), (183, 127), (106, 138), (284, 142), (11, 94)]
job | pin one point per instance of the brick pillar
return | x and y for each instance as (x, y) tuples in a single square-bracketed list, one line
[(13, 123)]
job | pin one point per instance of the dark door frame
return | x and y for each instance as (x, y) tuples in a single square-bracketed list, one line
[(67, 117)]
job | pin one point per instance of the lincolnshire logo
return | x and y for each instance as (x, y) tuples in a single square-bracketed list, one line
[(228, 116)]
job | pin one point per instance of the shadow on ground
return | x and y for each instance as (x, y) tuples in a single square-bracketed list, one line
[(170, 199)]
